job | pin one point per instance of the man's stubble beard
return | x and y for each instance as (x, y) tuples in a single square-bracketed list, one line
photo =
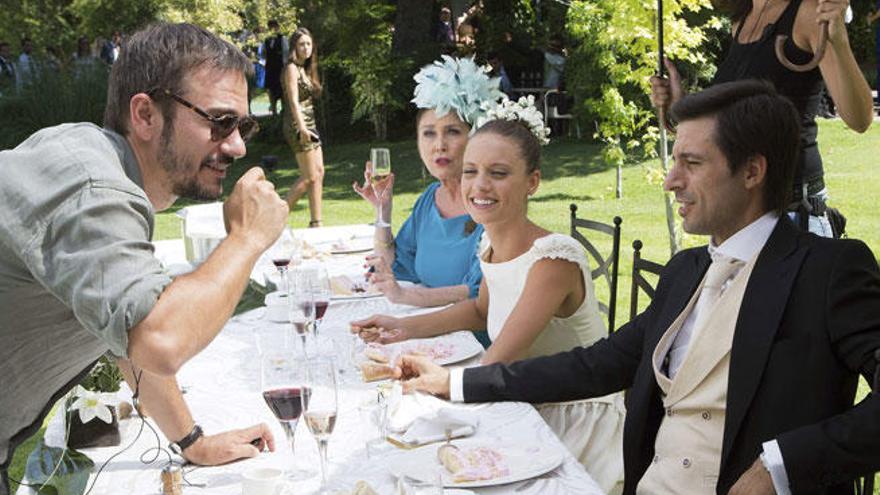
[(182, 184)]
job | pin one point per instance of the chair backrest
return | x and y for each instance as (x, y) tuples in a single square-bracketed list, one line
[(638, 279), (605, 266), (551, 109), (866, 487)]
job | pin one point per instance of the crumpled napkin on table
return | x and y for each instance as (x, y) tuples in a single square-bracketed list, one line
[(421, 418), (427, 429)]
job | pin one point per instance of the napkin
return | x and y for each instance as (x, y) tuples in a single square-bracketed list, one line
[(403, 409), (434, 428)]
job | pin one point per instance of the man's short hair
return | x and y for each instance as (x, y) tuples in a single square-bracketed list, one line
[(751, 119), (162, 56)]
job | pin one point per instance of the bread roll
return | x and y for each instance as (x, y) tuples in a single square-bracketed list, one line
[(375, 371)]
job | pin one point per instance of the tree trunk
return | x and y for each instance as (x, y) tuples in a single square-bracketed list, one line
[(412, 26), (380, 124)]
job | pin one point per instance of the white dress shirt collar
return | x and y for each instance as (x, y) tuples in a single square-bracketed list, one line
[(746, 243)]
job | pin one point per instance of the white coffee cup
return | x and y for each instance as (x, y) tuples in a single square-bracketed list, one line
[(262, 481)]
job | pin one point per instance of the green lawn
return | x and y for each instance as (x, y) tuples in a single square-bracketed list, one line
[(573, 173)]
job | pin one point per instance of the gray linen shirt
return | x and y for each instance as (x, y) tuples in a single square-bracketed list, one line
[(77, 269)]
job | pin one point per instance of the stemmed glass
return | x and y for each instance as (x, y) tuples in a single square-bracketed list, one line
[(303, 297), (282, 379), (282, 252), (380, 168), (319, 406), (302, 302), (322, 292)]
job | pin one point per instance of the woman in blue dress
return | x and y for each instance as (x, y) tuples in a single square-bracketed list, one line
[(436, 247)]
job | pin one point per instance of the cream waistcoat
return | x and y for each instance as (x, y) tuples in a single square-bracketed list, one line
[(688, 446)]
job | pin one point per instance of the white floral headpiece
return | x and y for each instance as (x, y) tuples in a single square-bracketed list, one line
[(522, 110), (456, 84)]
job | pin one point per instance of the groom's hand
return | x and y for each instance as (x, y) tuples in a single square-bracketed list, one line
[(756, 480), (420, 373)]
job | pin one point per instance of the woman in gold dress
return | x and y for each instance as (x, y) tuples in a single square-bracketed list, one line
[(301, 86)]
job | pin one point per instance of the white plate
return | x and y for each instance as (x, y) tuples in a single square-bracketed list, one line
[(522, 462), (347, 246), (353, 249), (461, 345), (339, 282)]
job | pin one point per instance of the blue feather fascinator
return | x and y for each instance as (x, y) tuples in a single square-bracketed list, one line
[(457, 84)]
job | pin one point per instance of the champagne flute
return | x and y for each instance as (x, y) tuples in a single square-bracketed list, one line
[(282, 378), (380, 168), (319, 406), (282, 252)]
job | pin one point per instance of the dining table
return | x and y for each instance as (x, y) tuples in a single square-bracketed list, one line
[(221, 386)]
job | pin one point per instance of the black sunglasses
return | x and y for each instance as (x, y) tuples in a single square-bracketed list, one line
[(222, 126)]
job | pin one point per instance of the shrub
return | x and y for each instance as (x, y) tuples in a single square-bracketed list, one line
[(52, 97)]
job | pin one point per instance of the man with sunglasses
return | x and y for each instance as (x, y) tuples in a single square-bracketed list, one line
[(77, 273)]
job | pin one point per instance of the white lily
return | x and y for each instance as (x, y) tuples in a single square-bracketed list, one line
[(93, 405)]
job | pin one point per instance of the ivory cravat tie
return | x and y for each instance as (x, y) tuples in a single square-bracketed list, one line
[(722, 269)]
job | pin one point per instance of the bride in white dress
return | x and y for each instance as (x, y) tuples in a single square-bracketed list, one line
[(536, 296)]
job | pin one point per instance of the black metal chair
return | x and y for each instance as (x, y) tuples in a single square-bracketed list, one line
[(638, 280), (866, 487), (605, 267)]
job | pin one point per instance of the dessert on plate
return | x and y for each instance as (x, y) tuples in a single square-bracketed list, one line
[(472, 464)]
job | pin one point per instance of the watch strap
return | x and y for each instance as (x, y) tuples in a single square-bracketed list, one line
[(179, 446)]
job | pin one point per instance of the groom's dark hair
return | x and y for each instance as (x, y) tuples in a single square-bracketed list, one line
[(751, 119)]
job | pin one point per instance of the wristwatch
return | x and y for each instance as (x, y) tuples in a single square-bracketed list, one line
[(179, 446)]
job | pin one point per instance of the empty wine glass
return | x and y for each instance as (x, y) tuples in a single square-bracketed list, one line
[(282, 378), (424, 483), (319, 406), (300, 317), (302, 299), (350, 354), (282, 252), (322, 293), (380, 168)]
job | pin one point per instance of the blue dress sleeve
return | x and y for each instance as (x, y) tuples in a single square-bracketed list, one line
[(405, 242), (405, 252), (474, 275)]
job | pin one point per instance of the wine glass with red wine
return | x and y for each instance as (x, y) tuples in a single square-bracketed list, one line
[(282, 252), (319, 406), (282, 382)]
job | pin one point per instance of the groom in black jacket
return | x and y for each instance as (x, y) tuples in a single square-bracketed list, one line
[(747, 385)]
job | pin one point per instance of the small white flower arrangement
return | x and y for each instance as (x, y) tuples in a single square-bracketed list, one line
[(91, 404), (522, 110)]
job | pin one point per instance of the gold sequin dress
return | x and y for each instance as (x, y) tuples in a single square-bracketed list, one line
[(307, 107)]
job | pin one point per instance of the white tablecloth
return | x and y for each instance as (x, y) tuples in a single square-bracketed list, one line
[(222, 390)]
